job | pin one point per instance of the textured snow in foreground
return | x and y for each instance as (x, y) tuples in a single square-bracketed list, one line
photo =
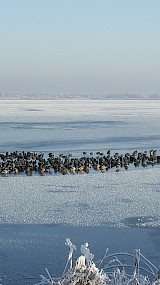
[(116, 199)]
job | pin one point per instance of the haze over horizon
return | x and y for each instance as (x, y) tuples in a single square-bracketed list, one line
[(60, 46)]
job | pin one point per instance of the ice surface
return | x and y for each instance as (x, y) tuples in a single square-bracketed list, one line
[(68, 108), (79, 125), (126, 198), (110, 199), (121, 210)]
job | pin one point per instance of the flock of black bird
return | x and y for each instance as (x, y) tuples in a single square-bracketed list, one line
[(32, 162)]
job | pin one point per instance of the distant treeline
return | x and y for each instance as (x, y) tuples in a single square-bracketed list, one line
[(83, 96)]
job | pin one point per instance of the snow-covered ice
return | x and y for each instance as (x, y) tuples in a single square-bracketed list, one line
[(87, 199)]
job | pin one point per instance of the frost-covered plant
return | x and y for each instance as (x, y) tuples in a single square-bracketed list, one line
[(108, 271)]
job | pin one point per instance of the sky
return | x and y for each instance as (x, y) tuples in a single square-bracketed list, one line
[(85, 46)]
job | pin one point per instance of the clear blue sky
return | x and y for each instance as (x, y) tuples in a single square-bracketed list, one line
[(110, 46)]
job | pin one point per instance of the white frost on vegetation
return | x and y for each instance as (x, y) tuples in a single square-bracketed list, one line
[(114, 272)]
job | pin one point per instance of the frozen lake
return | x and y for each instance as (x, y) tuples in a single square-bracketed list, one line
[(116, 210), (77, 125)]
